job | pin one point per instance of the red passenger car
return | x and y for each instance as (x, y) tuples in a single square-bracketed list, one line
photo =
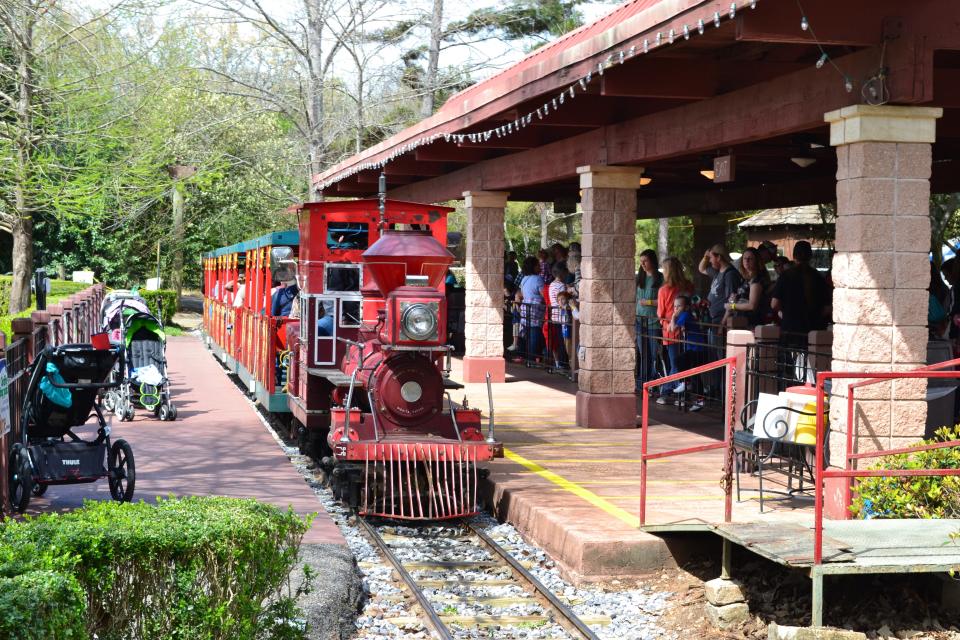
[(369, 381)]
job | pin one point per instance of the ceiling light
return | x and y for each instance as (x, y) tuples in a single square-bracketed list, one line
[(803, 163), (644, 181), (709, 174)]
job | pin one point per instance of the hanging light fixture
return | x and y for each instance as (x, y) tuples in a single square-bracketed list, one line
[(645, 180)]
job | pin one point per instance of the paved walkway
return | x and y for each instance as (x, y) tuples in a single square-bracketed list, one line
[(217, 446)]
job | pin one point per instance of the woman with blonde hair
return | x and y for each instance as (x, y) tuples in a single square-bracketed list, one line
[(751, 298), (675, 283)]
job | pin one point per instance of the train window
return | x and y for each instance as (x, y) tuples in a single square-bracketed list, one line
[(325, 346), (349, 313), (342, 278), (348, 235)]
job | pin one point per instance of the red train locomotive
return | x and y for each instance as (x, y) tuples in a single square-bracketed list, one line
[(367, 380)]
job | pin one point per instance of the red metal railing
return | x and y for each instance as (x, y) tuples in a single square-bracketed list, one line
[(730, 365), (848, 472)]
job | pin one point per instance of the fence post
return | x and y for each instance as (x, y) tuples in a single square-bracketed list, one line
[(67, 305), (5, 506), (41, 321), (820, 346), (23, 330), (737, 341), (767, 334), (56, 324)]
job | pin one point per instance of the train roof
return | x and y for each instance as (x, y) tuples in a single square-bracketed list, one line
[(289, 238)]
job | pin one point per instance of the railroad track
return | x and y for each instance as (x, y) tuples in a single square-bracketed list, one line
[(462, 579)]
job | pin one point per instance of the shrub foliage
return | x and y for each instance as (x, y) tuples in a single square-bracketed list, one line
[(914, 497), (204, 568), (162, 303)]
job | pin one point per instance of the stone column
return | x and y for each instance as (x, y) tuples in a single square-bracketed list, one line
[(881, 271), (606, 399), (708, 230), (484, 299)]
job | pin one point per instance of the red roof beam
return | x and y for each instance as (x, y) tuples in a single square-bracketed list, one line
[(833, 22)]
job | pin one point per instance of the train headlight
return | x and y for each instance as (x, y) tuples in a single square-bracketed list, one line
[(419, 321)]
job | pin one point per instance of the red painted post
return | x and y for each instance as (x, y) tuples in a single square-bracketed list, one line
[(730, 409), (818, 483), (645, 424)]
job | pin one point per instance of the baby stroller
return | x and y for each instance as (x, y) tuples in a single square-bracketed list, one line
[(61, 395), (142, 378)]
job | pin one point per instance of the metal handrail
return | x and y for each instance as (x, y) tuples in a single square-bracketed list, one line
[(729, 364), (927, 372)]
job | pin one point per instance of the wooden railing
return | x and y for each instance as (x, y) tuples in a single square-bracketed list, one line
[(72, 320)]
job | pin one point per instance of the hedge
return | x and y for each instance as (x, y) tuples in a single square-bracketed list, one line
[(204, 568), (918, 496), (163, 303)]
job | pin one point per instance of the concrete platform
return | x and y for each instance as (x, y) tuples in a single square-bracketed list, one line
[(217, 446), (576, 492)]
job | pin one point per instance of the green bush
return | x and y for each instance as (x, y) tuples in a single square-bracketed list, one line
[(39, 605), (163, 303), (918, 496), (206, 568)]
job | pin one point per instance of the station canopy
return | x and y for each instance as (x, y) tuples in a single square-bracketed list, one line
[(672, 85)]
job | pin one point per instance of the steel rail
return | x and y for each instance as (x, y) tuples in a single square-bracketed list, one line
[(568, 619), (435, 622)]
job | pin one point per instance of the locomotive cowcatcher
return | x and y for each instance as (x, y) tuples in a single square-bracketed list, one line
[(369, 374)]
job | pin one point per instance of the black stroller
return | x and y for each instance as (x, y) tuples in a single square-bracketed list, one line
[(62, 394)]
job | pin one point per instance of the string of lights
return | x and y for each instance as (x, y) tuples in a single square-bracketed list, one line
[(554, 104), (873, 90)]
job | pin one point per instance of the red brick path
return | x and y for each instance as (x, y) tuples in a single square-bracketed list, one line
[(217, 446)]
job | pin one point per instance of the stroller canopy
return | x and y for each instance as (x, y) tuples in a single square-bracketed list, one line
[(140, 322), (115, 310)]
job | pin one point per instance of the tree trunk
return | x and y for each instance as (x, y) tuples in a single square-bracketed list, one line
[(315, 105), (433, 60), (22, 224), (22, 265), (663, 239), (544, 224), (176, 272)]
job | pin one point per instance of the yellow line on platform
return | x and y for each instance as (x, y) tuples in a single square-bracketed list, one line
[(592, 460), (550, 445), (637, 480), (574, 488)]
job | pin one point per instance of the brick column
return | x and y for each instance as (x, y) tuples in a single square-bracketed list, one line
[(484, 299), (606, 399), (881, 271)]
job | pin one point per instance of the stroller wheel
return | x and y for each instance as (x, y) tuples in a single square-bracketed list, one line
[(171, 412), (40, 489), (156, 410), (21, 478), (123, 475), (128, 412)]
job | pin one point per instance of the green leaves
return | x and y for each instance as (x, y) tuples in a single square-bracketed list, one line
[(209, 568), (914, 497)]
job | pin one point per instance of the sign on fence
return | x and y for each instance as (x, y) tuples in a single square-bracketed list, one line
[(4, 399)]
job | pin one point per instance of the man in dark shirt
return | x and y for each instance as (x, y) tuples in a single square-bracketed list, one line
[(801, 296), (725, 281)]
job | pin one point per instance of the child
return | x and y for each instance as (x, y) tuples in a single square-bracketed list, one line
[(682, 327), (565, 303), (513, 304)]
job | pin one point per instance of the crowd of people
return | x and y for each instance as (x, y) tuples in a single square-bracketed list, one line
[(675, 328), (542, 298)]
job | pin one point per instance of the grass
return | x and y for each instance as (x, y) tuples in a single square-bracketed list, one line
[(59, 289)]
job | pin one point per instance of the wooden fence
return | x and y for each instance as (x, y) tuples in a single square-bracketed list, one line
[(71, 320)]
